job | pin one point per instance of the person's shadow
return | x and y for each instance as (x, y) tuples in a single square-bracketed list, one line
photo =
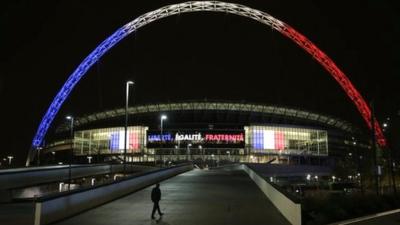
[(159, 221)]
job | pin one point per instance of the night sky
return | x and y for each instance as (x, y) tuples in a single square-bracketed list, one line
[(198, 56)]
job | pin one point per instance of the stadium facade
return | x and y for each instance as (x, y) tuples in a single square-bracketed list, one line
[(207, 131)]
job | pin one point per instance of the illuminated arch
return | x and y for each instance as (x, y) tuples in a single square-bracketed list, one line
[(215, 6)]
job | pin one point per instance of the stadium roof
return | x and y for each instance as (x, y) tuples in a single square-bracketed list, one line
[(216, 106)]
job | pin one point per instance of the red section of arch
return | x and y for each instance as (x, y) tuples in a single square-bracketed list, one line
[(339, 76)]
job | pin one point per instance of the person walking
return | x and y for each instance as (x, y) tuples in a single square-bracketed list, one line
[(156, 197)]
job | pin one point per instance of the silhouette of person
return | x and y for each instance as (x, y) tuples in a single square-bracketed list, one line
[(156, 197)]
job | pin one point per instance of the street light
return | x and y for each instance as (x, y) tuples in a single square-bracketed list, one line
[(9, 159), (162, 118), (38, 155), (71, 127), (188, 150), (201, 151), (54, 156), (128, 84), (385, 129), (316, 179)]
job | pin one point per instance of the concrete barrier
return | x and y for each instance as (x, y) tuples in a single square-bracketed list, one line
[(51, 209), (289, 208), (24, 177)]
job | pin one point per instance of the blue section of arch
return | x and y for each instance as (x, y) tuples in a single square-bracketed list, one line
[(72, 81)]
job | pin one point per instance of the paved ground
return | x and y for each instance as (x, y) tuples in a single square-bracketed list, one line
[(17, 213), (197, 197), (393, 219)]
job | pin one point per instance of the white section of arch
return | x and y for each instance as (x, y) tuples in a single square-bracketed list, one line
[(201, 6)]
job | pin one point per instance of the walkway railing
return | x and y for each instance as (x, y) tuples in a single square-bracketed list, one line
[(289, 206)]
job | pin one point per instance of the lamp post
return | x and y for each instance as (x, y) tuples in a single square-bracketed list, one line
[(10, 157), (128, 84), (38, 155), (373, 142), (188, 150), (162, 118), (54, 156), (359, 168), (201, 152), (391, 161), (71, 128)]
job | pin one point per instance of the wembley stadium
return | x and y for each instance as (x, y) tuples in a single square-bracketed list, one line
[(211, 132)]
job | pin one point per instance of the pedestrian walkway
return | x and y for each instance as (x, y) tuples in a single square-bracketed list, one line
[(385, 218), (211, 197)]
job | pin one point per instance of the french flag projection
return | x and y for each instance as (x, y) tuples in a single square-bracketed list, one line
[(133, 140), (268, 139), (279, 139), (117, 140)]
